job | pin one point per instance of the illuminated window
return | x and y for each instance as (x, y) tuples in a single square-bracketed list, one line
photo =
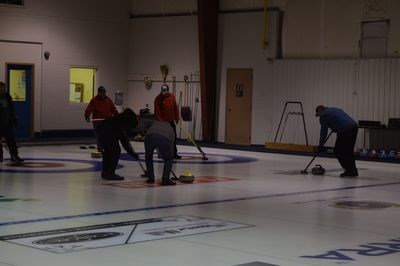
[(18, 85), (12, 2), (81, 84)]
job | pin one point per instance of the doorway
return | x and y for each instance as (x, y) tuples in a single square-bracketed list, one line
[(19, 81), (239, 94)]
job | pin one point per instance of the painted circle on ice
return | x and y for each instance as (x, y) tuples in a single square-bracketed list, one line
[(364, 205), (51, 165), (195, 158), (35, 164)]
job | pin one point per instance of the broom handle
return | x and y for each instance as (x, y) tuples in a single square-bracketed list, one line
[(316, 153)]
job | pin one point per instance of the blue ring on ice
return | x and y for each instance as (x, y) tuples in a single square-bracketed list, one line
[(229, 159), (95, 166)]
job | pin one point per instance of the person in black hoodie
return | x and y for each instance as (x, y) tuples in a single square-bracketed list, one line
[(111, 131), (8, 121)]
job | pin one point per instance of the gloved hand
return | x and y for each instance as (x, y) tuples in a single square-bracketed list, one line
[(87, 119)]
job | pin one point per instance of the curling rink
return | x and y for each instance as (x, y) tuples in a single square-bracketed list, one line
[(245, 208)]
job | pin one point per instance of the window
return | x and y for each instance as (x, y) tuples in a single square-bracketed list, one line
[(18, 85), (81, 84), (374, 35), (12, 2)]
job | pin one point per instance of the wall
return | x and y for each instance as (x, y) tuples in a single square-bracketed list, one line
[(311, 28), (97, 33), (153, 43), (241, 47), (365, 89), (320, 29), (157, 41), (332, 28), (29, 53), (76, 33)]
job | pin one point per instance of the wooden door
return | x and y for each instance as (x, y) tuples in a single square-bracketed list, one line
[(239, 93)]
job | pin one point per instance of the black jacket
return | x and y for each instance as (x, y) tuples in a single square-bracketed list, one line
[(12, 119), (116, 128)]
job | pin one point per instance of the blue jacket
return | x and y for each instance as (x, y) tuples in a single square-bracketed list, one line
[(335, 119)]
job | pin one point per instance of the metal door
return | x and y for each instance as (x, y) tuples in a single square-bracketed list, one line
[(19, 82)]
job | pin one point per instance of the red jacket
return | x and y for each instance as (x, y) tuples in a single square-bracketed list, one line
[(101, 108), (165, 108)]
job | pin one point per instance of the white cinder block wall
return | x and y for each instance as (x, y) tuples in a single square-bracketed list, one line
[(76, 33)]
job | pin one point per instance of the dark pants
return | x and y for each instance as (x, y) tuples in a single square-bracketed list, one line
[(98, 143), (163, 146), (344, 149), (172, 123), (111, 152), (7, 132)]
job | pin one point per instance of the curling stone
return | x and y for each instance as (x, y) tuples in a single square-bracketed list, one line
[(318, 170), (382, 154), (186, 177), (392, 154), (96, 154), (372, 154), (364, 153)]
